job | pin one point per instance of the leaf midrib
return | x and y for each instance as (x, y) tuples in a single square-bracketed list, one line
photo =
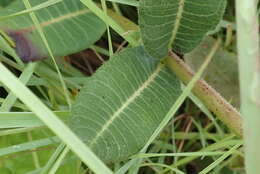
[(127, 103), (56, 20), (177, 23)]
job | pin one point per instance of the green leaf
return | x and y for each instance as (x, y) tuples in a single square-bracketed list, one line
[(4, 46), (126, 2), (16, 156), (222, 72), (4, 3), (123, 103), (69, 27), (177, 24)]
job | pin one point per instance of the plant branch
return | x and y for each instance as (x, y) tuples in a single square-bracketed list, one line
[(208, 95)]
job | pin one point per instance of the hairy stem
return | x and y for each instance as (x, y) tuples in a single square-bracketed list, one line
[(208, 95)]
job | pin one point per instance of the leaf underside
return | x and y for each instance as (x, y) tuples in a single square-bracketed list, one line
[(69, 27), (123, 103), (222, 72), (177, 24)]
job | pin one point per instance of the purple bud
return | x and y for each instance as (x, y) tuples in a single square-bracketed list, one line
[(24, 47)]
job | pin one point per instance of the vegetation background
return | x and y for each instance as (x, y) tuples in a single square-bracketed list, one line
[(199, 138)]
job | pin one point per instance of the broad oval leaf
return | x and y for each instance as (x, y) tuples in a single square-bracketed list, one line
[(123, 103), (177, 24), (69, 27)]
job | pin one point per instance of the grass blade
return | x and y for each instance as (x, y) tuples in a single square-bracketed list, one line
[(51, 120), (102, 15), (220, 159), (40, 30), (24, 78), (35, 8), (126, 2)]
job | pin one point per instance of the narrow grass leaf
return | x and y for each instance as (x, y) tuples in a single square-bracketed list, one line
[(27, 146), (220, 159), (39, 29), (183, 154), (216, 146), (113, 24), (59, 160), (126, 2), (51, 162), (7, 48), (25, 119), (37, 7), (16, 130), (50, 119), (24, 78)]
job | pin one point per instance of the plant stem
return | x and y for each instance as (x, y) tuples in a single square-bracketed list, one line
[(110, 45), (208, 95), (34, 153), (249, 70)]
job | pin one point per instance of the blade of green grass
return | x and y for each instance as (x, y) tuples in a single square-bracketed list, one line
[(59, 160), (11, 63), (182, 154), (220, 159), (35, 156), (6, 47), (28, 146), (225, 143), (53, 159), (42, 35), (17, 105), (24, 78), (116, 8), (29, 10), (67, 161), (205, 110), (110, 45), (201, 132), (25, 119), (102, 15), (50, 119), (77, 81), (16, 131), (126, 2)]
